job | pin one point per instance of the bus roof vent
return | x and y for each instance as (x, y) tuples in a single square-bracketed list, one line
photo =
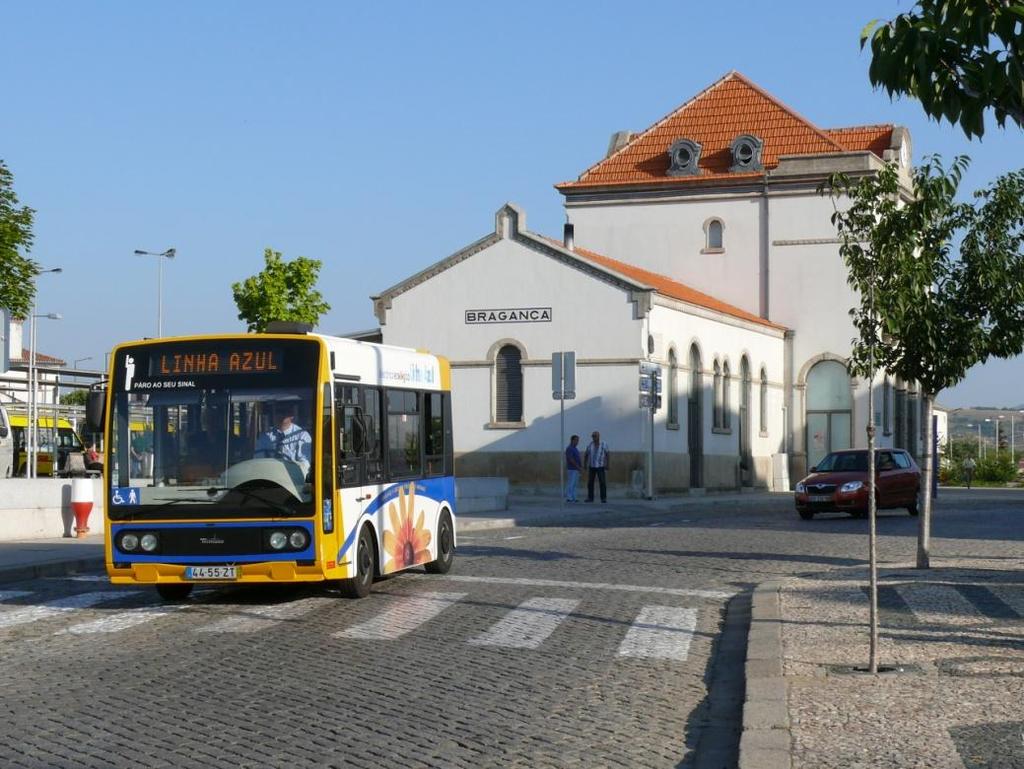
[(288, 327)]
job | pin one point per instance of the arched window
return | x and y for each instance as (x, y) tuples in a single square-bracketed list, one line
[(726, 405), (716, 416), (763, 405), (745, 421), (508, 385), (672, 394), (714, 241)]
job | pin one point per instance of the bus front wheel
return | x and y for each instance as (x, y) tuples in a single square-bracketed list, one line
[(366, 557), (174, 593), (445, 547)]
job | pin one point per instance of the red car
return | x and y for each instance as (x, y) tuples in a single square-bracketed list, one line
[(839, 483)]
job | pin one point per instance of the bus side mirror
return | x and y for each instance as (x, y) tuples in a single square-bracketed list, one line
[(95, 405), (4, 432)]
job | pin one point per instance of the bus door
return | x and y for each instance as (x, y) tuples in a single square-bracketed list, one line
[(360, 466)]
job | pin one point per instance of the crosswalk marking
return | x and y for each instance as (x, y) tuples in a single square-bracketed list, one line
[(531, 582), (123, 620), (660, 632), (59, 606), (1012, 596), (7, 595), (248, 619), (408, 614), (938, 605), (528, 625)]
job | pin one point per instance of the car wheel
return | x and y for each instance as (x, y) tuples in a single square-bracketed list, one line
[(366, 561), (445, 547), (806, 514), (174, 593), (915, 507)]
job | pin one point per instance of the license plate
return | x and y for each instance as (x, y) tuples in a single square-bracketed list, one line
[(211, 572), (819, 498)]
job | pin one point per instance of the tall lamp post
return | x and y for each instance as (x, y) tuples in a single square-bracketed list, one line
[(160, 256), (79, 360), (32, 436), (33, 375)]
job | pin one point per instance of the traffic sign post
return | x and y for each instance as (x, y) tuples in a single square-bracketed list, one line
[(563, 388), (650, 399)]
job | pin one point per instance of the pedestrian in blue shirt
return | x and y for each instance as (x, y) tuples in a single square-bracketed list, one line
[(573, 467)]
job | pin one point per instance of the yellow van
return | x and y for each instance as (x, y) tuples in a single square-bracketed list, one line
[(65, 441)]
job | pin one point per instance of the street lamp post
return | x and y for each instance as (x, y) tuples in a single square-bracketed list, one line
[(160, 256), (32, 433), (79, 360), (33, 375)]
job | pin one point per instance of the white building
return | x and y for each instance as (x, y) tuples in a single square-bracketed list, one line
[(701, 244), (14, 385)]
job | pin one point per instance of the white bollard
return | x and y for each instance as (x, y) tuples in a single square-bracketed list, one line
[(81, 504)]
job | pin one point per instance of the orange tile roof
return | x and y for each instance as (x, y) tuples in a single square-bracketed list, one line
[(714, 118), (668, 287), (41, 359)]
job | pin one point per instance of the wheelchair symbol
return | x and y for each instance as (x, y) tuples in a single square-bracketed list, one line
[(117, 498)]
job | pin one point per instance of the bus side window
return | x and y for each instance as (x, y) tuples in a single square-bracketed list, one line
[(433, 425), (371, 442)]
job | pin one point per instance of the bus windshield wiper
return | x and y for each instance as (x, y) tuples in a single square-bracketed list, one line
[(279, 507)]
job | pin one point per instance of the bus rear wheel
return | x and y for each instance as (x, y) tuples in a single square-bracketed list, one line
[(445, 547), (172, 593), (366, 560)]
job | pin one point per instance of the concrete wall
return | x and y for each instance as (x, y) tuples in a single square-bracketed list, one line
[(41, 507)]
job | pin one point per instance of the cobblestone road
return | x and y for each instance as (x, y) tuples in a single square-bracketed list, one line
[(546, 647)]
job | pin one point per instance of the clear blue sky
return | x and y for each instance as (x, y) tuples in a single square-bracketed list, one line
[(377, 137)]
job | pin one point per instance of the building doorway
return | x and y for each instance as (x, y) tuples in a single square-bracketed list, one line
[(829, 410)]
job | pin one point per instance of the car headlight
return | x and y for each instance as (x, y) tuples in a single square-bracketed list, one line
[(278, 540), (149, 542), (298, 539), (129, 542), (852, 486), (800, 488)]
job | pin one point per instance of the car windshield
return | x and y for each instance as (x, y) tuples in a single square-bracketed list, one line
[(846, 461)]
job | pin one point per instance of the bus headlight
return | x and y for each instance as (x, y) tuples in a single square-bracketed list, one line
[(149, 542), (278, 540), (129, 542), (298, 539)]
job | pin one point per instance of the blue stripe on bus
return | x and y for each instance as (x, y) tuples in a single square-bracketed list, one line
[(441, 490), (120, 556)]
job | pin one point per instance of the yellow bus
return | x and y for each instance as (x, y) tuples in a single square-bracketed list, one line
[(63, 441), (287, 457)]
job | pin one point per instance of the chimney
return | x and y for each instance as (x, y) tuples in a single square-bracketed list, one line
[(568, 237), (619, 140)]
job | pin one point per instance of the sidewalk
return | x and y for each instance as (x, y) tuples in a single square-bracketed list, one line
[(31, 558), (951, 639)]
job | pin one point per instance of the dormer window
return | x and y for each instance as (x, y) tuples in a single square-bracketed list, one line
[(746, 153), (683, 156)]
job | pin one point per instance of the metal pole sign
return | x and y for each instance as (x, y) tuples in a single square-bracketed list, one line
[(650, 399), (563, 388)]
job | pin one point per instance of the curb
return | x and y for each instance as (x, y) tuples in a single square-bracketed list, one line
[(50, 569), (766, 741)]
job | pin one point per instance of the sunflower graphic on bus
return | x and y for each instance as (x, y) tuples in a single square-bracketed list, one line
[(406, 539)]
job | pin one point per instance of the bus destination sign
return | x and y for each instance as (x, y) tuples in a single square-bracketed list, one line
[(208, 362)]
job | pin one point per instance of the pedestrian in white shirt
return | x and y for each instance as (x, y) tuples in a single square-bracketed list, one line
[(596, 460)]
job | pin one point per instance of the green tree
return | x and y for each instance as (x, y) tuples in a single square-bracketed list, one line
[(930, 309), (957, 57), (17, 271), (282, 291), (74, 398)]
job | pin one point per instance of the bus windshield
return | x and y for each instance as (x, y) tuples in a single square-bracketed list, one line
[(221, 441)]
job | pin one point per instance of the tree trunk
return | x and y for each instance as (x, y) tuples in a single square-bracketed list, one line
[(924, 522)]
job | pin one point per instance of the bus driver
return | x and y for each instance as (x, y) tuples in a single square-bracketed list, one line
[(286, 440)]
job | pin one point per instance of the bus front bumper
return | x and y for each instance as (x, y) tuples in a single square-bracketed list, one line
[(247, 573)]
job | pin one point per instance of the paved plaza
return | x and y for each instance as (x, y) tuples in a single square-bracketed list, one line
[(612, 637)]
